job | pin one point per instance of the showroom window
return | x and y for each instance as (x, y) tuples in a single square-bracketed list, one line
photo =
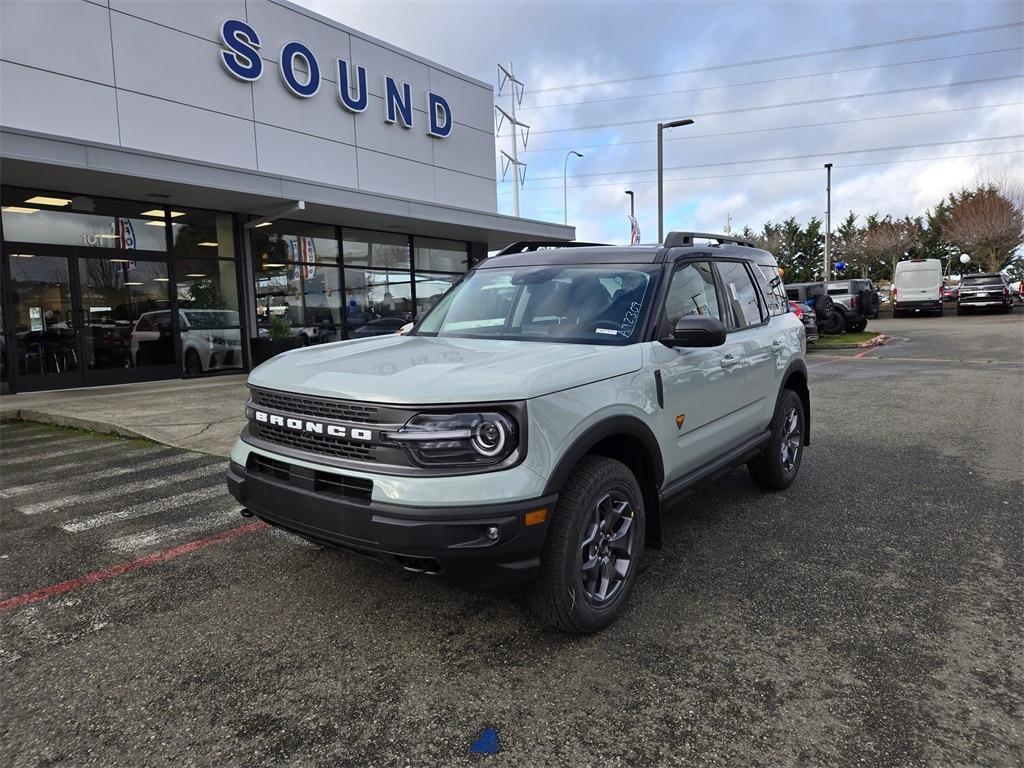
[(295, 268), (378, 282)]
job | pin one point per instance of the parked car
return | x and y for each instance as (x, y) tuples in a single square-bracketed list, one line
[(949, 293), (806, 316), (831, 318), (537, 422), (857, 299), (917, 287), (984, 290), (205, 343)]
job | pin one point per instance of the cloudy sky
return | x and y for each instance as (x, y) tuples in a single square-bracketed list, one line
[(599, 75)]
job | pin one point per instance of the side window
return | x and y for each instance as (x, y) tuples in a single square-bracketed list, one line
[(691, 292), (772, 289), (741, 299)]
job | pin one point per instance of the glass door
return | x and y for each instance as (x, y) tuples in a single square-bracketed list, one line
[(46, 353), (127, 330)]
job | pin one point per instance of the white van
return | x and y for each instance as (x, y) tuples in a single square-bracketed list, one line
[(917, 287)]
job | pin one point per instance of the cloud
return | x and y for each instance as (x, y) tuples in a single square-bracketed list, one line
[(565, 43)]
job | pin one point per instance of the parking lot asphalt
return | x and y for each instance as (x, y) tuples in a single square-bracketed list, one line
[(870, 615)]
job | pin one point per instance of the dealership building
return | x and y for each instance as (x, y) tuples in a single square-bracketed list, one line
[(185, 183)]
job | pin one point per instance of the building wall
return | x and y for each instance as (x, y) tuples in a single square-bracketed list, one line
[(148, 75)]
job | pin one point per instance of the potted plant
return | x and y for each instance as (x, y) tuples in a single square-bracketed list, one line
[(279, 339)]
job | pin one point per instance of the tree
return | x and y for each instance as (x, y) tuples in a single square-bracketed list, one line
[(886, 242), (987, 223), (848, 246)]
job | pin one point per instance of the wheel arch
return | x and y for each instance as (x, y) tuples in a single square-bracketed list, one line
[(626, 439)]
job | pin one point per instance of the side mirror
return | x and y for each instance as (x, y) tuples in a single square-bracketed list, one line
[(696, 331)]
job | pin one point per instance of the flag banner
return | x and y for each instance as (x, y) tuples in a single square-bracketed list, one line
[(634, 231), (307, 252)]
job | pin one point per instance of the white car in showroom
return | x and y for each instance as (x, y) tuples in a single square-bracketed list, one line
[(206, 343)]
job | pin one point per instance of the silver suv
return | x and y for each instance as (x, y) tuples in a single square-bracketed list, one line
[(533, 426)]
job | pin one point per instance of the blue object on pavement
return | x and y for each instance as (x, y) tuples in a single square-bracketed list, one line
[(486, 743)]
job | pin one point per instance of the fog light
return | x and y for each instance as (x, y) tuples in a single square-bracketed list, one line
[(492, 533)]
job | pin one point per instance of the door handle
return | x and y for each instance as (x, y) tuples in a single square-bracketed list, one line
[(728, 361), (777, 345)]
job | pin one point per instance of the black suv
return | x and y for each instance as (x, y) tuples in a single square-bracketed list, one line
[(984, 290)]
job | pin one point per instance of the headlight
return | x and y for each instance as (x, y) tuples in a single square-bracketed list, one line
[(458, 439)]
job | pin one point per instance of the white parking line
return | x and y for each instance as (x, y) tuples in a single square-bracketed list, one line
[(23, 439), (53, 454), (53, 470), (163, 535), (163, 460), (144, 508), (118, 490)]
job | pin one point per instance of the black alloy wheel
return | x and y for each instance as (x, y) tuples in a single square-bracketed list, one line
[(593, 548)]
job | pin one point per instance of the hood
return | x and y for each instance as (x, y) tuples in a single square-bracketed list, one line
[(423, 370)]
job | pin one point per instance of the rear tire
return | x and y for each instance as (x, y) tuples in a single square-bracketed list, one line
[(835, 322), (599, 521), (777, 467), (859, 325)]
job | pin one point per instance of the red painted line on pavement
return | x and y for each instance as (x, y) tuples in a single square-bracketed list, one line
[(132, 565)]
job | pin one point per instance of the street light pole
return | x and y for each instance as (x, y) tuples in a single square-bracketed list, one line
[(565, 189), (661, 174), (828, 220), (632, 206)]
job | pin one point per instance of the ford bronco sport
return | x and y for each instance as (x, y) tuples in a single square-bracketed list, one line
[(532, 427)]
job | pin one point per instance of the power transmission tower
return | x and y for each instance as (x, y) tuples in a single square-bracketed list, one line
[(517, 128)]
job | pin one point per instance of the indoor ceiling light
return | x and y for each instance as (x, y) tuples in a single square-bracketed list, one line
[(196, 274), (155, 224), (22, 255), (43, 200), (161, 279), (121, 261), (159, 214), (262, 224), (132, 283), (19, 209), (268, 264), (109, 237), (208, 244)]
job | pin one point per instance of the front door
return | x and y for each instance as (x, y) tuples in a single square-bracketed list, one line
[(75, 320), (702, 387), (46, 353)]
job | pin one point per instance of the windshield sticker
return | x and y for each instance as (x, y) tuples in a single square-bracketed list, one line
[(607, 331)]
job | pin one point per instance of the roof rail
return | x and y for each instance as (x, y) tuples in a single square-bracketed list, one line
[(676, 239), (525, 246)]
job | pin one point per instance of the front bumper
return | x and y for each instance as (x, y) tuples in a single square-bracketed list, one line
[(451, 542)]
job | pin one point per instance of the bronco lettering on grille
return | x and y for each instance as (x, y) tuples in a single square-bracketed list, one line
[(316, 427)]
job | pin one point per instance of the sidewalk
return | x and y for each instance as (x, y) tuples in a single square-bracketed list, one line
[(203, 415)]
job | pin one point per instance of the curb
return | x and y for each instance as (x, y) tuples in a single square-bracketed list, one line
[(878, 341), (58, 420)]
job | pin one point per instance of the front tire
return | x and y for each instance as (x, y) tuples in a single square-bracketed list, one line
[(593, 549), (859, 325), (835, 323), (193, 364), (777, 467)]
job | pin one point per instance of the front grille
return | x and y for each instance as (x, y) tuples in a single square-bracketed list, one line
[(314, 443), (316, 406), (321, 482)]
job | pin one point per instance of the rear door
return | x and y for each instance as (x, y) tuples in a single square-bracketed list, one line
[(760, 346)]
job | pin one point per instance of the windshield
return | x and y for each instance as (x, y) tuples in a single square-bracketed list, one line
[(579, 304), (970, 281)]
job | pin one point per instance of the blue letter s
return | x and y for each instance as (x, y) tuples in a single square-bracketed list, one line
[(241, 59)]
